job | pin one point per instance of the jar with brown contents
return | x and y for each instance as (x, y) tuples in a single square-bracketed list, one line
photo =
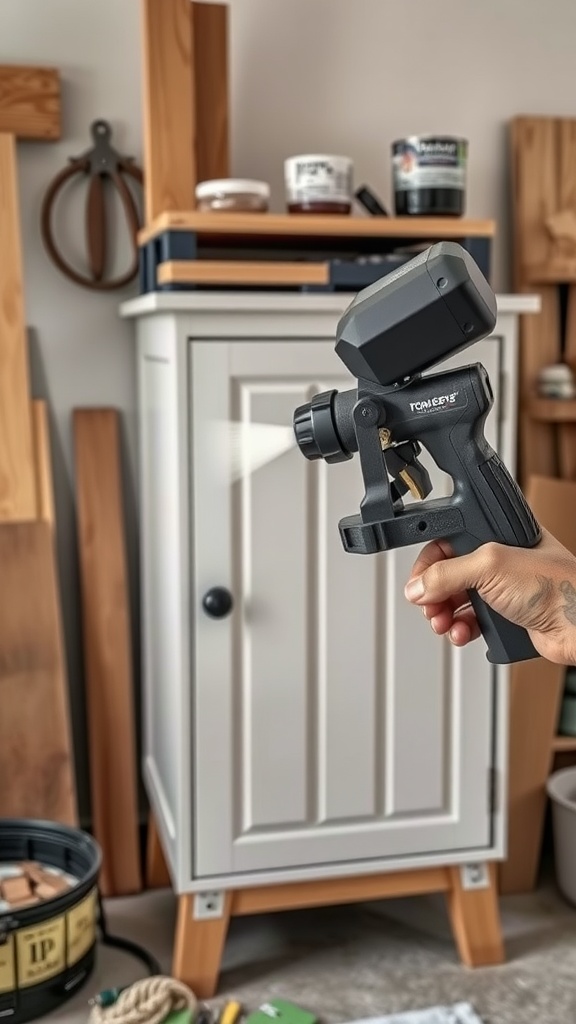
[(318, 183)]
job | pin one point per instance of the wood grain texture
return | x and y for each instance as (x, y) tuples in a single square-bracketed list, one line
[(237, 272), (17, 476), (475, 918), (168, 98), (107, 648), (157, 874), (533, 141), (198, 947), (557, 143), (566, 249), (567, 425), (43, 462), (564, 744), (263, 899), (36, 760), (309, 225), (199, 944), (535, 695), (539, 346), (552, 410), (30, 102), (209, 27)]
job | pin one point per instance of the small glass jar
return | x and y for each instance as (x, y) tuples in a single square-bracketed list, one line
[(318, 183), (232, 195)]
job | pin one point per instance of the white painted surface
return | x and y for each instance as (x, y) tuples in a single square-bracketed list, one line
[(263, 702), (276, 302), (330, 723)]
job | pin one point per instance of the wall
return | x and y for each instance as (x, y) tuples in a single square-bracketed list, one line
[(307, 75), (344, 76)]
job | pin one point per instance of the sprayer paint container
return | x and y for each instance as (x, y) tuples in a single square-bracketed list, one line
[(47, 950), (429, 175)]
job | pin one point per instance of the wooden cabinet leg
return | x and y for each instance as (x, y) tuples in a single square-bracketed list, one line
[(199, 944), (475, 916), (157, 875)]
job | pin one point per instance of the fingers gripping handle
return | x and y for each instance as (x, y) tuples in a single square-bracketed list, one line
[(506, 642)]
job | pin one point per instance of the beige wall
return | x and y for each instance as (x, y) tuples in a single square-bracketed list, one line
[(307, 75), (352, 75)]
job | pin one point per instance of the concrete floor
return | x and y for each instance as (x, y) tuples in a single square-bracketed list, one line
[(356, 962)]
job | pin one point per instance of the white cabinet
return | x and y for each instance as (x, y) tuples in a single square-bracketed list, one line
[(320, 728)]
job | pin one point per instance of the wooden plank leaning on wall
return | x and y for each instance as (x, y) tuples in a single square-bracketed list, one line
[(107, 648), (17, 473), (35, 737)]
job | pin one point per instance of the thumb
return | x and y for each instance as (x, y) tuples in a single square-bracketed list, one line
[(451, 576)]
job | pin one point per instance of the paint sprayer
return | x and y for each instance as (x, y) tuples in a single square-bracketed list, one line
[(432, 307)]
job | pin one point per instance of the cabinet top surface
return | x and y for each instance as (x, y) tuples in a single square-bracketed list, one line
[(274, 302)]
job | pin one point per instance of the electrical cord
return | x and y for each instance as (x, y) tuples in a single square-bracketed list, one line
[(107, 939)]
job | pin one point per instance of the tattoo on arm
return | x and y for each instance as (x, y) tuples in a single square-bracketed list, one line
[(544, 592), (569, 592)]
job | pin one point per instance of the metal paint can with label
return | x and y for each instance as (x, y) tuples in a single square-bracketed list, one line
[(429, 175), (47, 950)]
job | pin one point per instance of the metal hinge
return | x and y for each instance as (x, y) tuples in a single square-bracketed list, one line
[(493, 790)]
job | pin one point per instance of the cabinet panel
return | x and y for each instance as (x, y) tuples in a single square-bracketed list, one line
[(271, 634), (163, 542), (331, 724)]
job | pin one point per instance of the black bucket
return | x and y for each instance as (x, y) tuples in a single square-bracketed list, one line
[(48, 950), (429, 174)]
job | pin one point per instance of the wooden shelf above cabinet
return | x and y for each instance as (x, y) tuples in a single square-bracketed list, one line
[(281, 225), (552, 410)]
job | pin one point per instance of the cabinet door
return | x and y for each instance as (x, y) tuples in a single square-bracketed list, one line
[(331, 725)]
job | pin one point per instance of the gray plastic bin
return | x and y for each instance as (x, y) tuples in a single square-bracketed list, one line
[(562, 792)]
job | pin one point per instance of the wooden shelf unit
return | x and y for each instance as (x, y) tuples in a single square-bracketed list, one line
[(552, 410), (187, 248), (303, 226), (186, 140), (542, 155)]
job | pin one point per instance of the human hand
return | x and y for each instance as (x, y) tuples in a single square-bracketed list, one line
[(533, 587)]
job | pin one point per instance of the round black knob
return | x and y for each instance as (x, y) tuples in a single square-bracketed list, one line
[(217, 602)]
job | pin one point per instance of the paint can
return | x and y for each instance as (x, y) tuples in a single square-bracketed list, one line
[(429, 175), (47, 949)]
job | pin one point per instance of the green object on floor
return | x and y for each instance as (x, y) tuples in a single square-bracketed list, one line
[(185, 1016), (281, 1011)]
